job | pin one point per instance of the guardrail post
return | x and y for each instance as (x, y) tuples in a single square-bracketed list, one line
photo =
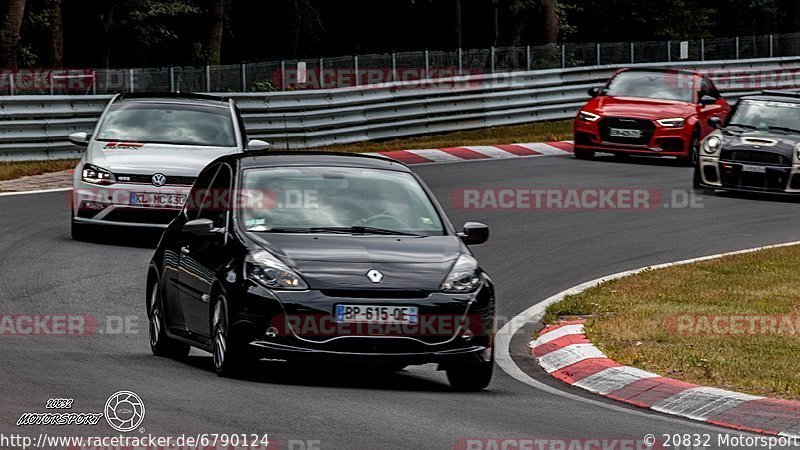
[(427, 65), (460, 62), (528, 57), (321, 64), (131, 86), (597, 53), (702, 49), (394, 67), (737, 47), (171, 79), (283, 75), (94, 82), (771, 45), (243, 73), (633, 59), (358, 74), (563, 56), (12, 89), (52, 84), (491, 56), (208, 78), (669, 51)]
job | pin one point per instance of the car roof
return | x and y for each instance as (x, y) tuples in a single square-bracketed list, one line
[(252, 160), (778, 96), (175, 98), (658, 70)]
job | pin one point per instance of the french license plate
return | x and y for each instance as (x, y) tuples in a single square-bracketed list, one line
[(753, 169), (157, 200), (624, 132), (377, 314)]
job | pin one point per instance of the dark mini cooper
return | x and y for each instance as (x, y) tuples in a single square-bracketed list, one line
[(321, 257), (756, 150)]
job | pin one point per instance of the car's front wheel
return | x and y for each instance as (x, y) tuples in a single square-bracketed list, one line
[(229, 358), (160, 343), (472, 376)]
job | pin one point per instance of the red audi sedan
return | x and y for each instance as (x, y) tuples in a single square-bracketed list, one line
[(649, 112)]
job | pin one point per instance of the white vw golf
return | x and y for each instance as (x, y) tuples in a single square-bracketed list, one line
[(144, 155)]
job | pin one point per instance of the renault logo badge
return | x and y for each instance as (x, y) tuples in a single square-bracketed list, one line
[(375, 276), (159, 180)]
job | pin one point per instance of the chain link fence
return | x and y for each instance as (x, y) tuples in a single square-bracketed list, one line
[(362, 70)]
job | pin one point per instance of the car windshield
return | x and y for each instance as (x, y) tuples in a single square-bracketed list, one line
[(655, 85), (166, 123), (766, 115), (336, 199)]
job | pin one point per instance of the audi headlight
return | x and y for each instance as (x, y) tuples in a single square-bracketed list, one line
[(675, 122), (97, 175), (713, 144), (588, 117), (463, 277), (270, 272)]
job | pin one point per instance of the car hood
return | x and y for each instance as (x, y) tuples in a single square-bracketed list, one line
[(763, 141), (342, 261), (640, 108), (185, 160)]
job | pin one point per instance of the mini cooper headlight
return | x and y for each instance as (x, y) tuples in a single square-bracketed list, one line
[(270, 272), (675, 122), (712, 145), (463, 277), (588, 117), (97, 175), (797, 154)]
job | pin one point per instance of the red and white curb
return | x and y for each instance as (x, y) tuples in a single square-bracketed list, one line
[(565, 353), (479, 152)]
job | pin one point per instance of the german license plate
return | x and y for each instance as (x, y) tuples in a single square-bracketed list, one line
[(624, 132), (377, 314), (753, 169), (157, 200)]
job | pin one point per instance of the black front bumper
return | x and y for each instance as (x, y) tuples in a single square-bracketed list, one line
[(775, 180)]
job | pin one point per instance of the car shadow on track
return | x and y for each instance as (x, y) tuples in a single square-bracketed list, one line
[(329, 375), (126, 237), (662, 161)]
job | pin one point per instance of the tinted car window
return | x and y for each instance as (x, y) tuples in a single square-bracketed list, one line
[(309, 197), (168, 123), (199, 191), (767, 114), (656, 85)]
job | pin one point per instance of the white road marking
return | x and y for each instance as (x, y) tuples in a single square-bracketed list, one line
[(613, 378), (568, 356), (566, 330), (703, 402)]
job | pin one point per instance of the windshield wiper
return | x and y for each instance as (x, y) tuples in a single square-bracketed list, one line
[(361, 230), (786, 129), (743, 125), (280, 230)]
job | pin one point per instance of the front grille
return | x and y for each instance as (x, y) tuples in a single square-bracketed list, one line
[(772, 180), (646, 127), (142, 215), (757, 157), (369, 293), (148, 179)]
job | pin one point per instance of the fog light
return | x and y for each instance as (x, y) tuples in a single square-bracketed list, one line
[(93, 206), (466, 335), (271, 332)]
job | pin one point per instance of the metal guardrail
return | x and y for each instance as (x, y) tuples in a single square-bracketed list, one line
[(36, 127)]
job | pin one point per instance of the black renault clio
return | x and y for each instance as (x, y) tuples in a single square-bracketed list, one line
[(314, 256)]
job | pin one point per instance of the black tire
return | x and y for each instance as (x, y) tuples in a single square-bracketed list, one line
[(470, 377), (161, 344), (230, 359), (583, 154), (694, 151)]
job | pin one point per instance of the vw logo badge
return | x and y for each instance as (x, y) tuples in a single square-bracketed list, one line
[(124, 411), (375, 276), (159, 179)]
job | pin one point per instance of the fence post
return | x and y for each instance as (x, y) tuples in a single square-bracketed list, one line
[(131, 87), (771, 46), (597, 53), (427, 65), (669, 51), (394, 67), (460, 62), (491, 56), (355, 66), (702, 49), (321, 64), (171, 79), (11, 86), (528, 57), (208, 78), (633, 59), (243, 69), (52, 84), (737, 47), (94, 82), (283, 75), (563, 56)]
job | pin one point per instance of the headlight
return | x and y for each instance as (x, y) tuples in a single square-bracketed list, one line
[(797, 154), (712, 145), (675, 122), (270, 272), (588, 117), (97, 175), (463, 277)]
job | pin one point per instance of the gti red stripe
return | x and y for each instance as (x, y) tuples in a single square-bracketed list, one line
[(649, 391), (767, 415), (555, 344), (406, 157), (582, 369), (517, 150), (566, 146), (550, 328), (464, 153)]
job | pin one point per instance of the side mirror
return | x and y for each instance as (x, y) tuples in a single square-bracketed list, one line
[(707, 100), (593, 92), (80, 138), (256, 145), (199, 228), (474, 233), (715, 122)]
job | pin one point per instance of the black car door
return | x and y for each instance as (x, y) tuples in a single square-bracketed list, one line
[(201, 258)]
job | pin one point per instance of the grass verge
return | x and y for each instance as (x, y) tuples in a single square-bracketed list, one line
[(532, 132), (10, 170), (732, 322)]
